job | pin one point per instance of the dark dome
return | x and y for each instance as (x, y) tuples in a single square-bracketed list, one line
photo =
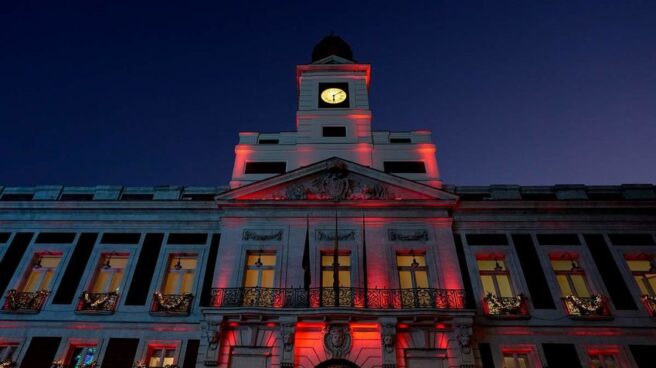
[(332, 45)]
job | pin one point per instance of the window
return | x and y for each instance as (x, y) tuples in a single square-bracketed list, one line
[(342, 269), (400, 140), (495, 277), (161, 356), (570, 277), (404, 167), (7, 352), (334, 131), (180, 274), (40, 275), (110, 273), (260, 270), (268, 141), (412, 269), (643, 270), (516, 360), (265, 168), (81, 356), (602, 359)]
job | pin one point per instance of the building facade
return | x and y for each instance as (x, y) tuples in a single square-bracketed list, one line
[(333, 246)]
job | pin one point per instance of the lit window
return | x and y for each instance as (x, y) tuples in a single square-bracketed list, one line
[(644, 273), (180, 274), (260, 270), (413, 273), (603, 360), (516, 360), (110, 273), (82, 356), (571, 277), (495, 277), (341, 269), (7, 352), (161, 356), (40, 275)]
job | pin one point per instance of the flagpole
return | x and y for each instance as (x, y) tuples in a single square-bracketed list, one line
[(336, 263)]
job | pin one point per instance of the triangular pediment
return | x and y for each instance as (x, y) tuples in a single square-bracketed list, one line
[(338, 180), (334, 59)]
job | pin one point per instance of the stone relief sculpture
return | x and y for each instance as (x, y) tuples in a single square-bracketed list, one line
[(262, 235), (388, 337), (337, 340), (287, 334), (407, 235), (464, 334), (328, 235)]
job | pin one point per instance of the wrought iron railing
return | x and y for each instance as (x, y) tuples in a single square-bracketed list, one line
[(505, 307), (650, 303), (8, 364), (171, 304), (339, 297), (97, 303), (594, 307), (25, 301)]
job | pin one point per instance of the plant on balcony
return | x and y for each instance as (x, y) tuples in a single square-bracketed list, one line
[(57, 364), (25, 301), (583, 307), (650, 303), (144, 365), (506, 306), (7, 364), (98, 302), (179, 303)]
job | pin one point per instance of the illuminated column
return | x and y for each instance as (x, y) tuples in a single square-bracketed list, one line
[(388, 341)]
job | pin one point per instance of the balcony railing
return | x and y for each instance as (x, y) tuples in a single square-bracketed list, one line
[(97, 303), (338, 297), (650, 303), (171, 304), (505, 307), (25, 301), (594, 307), (8, 364)]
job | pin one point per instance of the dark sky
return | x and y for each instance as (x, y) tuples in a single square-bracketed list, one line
[(155, 92)]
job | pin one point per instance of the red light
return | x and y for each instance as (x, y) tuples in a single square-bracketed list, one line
[(233, 324)]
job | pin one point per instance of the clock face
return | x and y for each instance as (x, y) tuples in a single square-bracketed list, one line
[(333, 96)]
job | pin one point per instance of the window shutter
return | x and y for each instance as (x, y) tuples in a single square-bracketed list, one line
[(75, 269), (143, 275)]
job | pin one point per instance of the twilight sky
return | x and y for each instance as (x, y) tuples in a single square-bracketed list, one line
[(155, 92)]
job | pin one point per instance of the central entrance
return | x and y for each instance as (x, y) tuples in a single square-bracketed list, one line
[(337, 363)]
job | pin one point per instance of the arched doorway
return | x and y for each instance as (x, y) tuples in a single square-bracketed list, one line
[(337, 363)]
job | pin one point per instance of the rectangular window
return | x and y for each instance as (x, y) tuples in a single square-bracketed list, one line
[(334, 131), (109, 273), (570, 277), (400, 140), (180, 274), (602, 359), (495, 277), (40, 275), (404, 167), (516, 360), (81, 356), (265, 168), (260, 270), (329, 268), (644, 273), (268, 141), (413, 273), (161, 356), (8, 352)]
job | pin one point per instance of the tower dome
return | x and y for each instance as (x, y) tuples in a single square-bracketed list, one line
[(332, 45)]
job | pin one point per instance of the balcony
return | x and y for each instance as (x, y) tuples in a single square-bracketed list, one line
[(650, 303), (97, 303), (498, 307), (590, 308), (25, 301), (171, 304), (339, 298)]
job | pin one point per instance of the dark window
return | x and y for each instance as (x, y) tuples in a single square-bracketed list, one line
[(608, 196), (55, 238), (487, 239), (538, 288), (17, 197), (404, 167), (265, 167), (610, 273), (120, 238), (643, 355), (469, 301), (136, 197), (120, 353), (268, 141), (182, 238), (400, 140), (11, 258), (75, 269), (140, 284), (539, 196), (76, 197), (198, 197), (631, 239), (192, 353), (4, 237), (206, 296), (561, 355), (41, 352), (558, 239), (486, 355), (334, 131)]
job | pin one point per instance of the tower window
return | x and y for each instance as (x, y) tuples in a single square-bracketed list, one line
[(265, 167), (334, 131), (404, 167)]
